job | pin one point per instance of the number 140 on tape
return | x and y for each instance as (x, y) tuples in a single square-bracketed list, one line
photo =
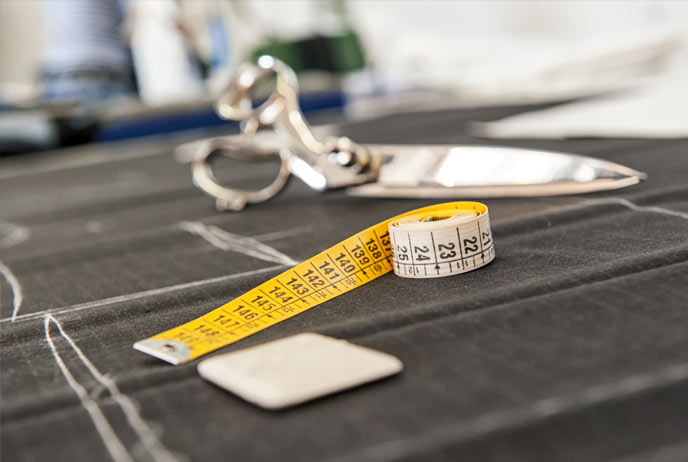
[(435, 241)]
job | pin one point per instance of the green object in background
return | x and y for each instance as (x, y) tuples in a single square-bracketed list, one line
[(337, 54), (348, 50), (285, 51)]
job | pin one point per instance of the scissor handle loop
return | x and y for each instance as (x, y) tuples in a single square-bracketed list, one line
[(235, 103), (232, 198), (333, 163)]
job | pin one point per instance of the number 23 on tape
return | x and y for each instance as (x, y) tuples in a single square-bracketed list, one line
[(435, 241)]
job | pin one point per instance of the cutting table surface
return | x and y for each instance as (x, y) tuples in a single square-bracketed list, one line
[(571, 346)]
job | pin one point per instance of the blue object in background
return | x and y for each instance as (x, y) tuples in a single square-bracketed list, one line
[(187, 120), (85, 57), (221, 58)]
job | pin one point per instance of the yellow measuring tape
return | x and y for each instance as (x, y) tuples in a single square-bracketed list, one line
[(435, 241)]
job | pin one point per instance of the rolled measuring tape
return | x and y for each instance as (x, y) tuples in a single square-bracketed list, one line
[(441, 243), (435, 241)]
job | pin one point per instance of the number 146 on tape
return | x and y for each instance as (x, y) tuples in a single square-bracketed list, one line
[(435, 241)]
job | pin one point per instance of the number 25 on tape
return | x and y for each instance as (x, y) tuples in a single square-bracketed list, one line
[(435, 241)]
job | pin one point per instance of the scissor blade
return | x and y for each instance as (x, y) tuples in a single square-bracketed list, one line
[(487, 171)]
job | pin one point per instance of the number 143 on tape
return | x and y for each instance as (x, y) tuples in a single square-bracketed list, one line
[(435, 241)]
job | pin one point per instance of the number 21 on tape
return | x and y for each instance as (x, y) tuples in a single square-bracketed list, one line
[(435, 241)]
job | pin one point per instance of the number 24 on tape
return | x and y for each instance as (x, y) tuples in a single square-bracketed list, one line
[(435, 241)]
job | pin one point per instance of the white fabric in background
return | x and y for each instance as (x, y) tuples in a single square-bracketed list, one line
[(656, 109), (165, 72), (510, 53)]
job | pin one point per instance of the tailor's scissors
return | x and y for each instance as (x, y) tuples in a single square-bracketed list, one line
[(376, 170)]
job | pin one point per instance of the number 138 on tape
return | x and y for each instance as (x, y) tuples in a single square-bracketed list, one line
[(435, 241)]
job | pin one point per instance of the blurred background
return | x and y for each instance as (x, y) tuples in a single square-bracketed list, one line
[(77, 71)]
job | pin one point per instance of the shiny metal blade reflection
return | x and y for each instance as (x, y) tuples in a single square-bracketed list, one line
[(488, 171)]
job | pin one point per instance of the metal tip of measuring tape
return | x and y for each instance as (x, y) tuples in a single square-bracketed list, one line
[(458, 239), (168, 350)]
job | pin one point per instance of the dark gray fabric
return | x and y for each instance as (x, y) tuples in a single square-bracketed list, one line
[(572, 345)]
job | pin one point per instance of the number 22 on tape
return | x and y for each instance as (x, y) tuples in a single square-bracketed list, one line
[(435, 241)]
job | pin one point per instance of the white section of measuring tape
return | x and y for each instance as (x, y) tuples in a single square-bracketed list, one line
[(432, 245), (357, 260), (297, 369)]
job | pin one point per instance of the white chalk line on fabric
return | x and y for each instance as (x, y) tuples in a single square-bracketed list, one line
[(13, 234), (543, 408), (606, 201), (17, 294), (146, 435), (112, 443), (139, 295), (233, 242)]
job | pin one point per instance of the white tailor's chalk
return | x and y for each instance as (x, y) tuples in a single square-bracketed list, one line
[(297, 369)]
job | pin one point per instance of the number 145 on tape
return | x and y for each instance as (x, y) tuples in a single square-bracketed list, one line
[(435, 241)]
